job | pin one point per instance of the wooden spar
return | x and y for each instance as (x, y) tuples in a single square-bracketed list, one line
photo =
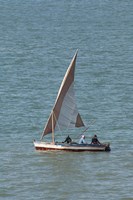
[(53, 128), (89, 126)]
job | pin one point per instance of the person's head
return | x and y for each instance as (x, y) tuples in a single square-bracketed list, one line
[(95, 136), (83, 136)]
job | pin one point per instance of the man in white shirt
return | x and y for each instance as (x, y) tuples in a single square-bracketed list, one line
[(82, 140)]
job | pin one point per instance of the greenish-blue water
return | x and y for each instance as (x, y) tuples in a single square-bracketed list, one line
[(38, 39)]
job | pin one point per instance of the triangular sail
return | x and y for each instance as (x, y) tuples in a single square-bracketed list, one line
[(65, 112)]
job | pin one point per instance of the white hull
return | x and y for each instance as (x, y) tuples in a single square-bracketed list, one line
[(43, 146)]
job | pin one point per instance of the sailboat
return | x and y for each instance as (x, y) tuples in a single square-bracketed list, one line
[(65, 114)]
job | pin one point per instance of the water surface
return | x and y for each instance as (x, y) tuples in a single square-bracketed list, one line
[(37, 41)]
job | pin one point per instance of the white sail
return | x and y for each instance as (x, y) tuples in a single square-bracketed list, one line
[(65, 113)]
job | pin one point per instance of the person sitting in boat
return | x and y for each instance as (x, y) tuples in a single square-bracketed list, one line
[(82, 140), (95, 140), (68, 140)]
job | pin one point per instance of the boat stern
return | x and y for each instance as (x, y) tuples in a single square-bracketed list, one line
[(107, 147)]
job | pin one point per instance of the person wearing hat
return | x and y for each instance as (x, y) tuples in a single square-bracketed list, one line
[(82, 140), (95, 140)]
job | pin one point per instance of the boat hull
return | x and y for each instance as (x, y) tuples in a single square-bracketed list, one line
[(43, 146)]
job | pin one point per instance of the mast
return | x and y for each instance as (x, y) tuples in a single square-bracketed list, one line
[(53, 140)]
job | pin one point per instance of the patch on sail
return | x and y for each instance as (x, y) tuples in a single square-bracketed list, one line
[(69, 116)]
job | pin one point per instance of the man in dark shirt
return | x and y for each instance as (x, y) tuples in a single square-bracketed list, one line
[(95, 140), (68, 140)]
